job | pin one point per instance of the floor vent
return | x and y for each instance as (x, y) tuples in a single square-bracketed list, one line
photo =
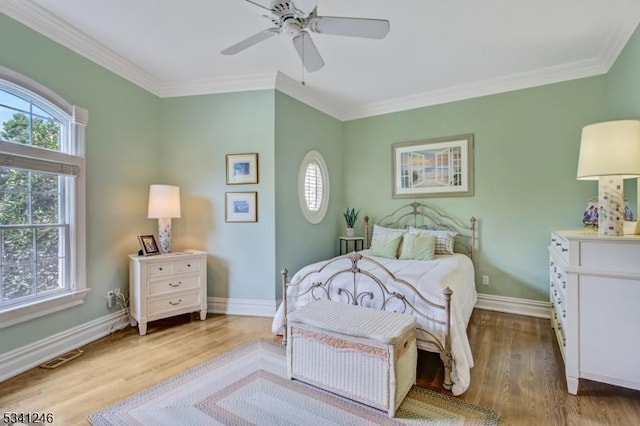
[(62, 359)]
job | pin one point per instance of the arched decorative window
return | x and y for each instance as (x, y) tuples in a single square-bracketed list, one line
[(313, 187), (42, 196)]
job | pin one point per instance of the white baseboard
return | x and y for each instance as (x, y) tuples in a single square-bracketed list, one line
[(267, 308), (247, 307), (512, 305), (27, 357)]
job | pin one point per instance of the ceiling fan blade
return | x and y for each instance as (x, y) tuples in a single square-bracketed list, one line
[(354, 27), (303, 8), (248, 42), (258, 4), (308, 52)]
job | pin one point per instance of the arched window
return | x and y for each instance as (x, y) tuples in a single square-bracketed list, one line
[(313, 187), (42, 196)]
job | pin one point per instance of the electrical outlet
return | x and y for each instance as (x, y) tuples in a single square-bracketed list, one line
[(112, 299), (485, 279)]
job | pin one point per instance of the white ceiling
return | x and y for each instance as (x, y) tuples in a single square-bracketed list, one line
[(437, 50)]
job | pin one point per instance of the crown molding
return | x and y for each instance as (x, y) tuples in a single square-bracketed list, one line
[(38, 19), (242, 83), (620, 36), (509, 83), (307, 95)]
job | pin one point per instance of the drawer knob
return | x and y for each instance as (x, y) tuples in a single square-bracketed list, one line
[(160, 268), (564, 249), (188, 265), (175, 285), (558, 244), (175, 303)]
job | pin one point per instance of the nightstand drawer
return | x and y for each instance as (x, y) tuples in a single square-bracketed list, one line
[(161, 269), (173, 284), (177, 302), (187, 265)]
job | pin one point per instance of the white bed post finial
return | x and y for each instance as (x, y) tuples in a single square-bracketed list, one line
[(285, 274)]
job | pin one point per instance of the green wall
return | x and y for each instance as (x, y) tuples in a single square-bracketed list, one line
[(526, 153), (526, 147), (623, 98), (197, 133), (300, 129), (121, 159)]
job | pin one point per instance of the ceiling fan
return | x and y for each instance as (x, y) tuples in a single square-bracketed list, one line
[(297, 17)]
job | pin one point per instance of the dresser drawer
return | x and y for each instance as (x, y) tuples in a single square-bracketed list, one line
[(172, 285), (177, 302), (160, 269)]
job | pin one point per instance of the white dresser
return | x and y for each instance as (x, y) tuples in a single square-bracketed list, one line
[(166, 285), (595, 296)]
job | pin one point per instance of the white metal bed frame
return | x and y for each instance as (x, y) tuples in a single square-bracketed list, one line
[(415, 214)]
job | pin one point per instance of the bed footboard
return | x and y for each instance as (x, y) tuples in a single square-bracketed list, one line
[(402, 298)]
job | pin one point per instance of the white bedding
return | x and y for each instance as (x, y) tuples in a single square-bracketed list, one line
[(429, 278)]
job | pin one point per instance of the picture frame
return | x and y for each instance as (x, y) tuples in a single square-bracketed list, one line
[(242, 168), (148, 245), (439, 167), (241, 207)]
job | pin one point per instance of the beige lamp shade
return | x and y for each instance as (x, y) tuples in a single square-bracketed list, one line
[(164, 201), (611, 148)]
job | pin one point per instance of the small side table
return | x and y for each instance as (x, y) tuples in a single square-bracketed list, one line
[(356, 242)]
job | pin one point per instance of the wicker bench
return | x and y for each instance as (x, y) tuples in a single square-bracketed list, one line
[(363, 354)]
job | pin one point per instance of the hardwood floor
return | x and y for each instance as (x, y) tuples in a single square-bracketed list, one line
[(518, 371)]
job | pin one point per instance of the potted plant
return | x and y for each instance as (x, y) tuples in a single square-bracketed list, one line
[(350, 216)]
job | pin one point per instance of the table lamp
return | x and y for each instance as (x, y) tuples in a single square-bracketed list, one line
[(164, 204), (610, 153)]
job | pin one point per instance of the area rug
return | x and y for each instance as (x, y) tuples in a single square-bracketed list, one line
[(248, 386)]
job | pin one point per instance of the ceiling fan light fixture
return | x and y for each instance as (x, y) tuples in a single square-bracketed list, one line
[(292, 27)]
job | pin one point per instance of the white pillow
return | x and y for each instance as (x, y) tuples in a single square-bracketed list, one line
[(444, 239), (381, 230)]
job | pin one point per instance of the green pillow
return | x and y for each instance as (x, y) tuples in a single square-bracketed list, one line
[(386, 246), (418, 247)]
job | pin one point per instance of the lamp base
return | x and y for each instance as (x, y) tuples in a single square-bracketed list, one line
[(164, 234), (611, 206)]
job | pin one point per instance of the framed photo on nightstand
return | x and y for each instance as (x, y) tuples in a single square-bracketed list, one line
[(148, 245)]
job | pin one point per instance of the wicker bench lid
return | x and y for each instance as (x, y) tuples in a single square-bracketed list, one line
[(382, 326)]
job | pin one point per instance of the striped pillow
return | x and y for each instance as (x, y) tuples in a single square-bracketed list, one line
[(444, 239), (379, 231)]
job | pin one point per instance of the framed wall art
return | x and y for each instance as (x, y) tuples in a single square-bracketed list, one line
[(441, 167), (241, 207), (148, 245), (242, 168)]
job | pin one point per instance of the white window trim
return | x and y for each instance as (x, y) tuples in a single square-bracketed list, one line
[(79, 119), (313, 217)]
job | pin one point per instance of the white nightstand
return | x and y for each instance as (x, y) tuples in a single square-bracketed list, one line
[(167, 285), (356, 241)]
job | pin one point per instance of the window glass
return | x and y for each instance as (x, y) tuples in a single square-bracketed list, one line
[(41, 209), (313, 187)]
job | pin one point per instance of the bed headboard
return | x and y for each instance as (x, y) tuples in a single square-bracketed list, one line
[(422, 215)]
